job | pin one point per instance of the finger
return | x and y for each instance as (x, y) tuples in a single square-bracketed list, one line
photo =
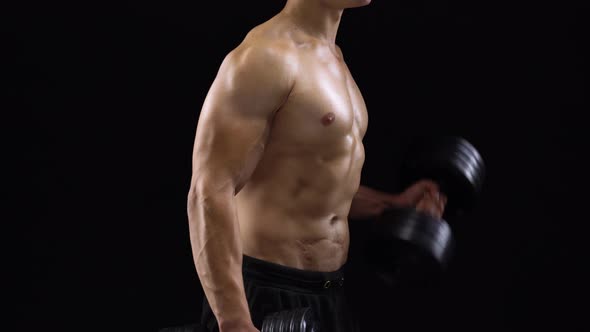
[(430, 186), (422, 205), (413, 194), (437, 196), (438, 205), (428, 205), (416, 192)]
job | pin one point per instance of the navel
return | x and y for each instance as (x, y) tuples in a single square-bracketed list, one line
[(333, 220), (328, 119)]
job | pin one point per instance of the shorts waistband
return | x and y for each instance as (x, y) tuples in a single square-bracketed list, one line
[(288, 277)]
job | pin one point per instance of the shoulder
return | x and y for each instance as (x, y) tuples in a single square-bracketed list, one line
[(255, 70), (261, 56)]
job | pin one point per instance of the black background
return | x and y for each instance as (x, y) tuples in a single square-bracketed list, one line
[(110, 92)]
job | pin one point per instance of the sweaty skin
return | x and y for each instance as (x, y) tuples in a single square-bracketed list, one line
[(294, 208), (278, 156)]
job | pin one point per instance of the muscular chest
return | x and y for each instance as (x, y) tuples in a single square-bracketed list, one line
[(325, 105)]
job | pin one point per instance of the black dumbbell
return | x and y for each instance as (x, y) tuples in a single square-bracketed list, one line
[(297, 320), (411, 247), (453, 163)]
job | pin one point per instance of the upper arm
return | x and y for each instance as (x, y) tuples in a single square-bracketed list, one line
[(251, 85)]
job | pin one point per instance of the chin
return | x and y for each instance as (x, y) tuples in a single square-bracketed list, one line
[(344, 4), (360, 3)]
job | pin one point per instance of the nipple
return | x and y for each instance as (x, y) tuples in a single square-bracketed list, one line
[(328, 119)]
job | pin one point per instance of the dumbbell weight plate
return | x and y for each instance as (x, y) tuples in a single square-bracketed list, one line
[(297, 320), (410, 247)]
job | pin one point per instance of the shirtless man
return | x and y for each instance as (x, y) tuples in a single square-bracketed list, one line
[(276, 174)]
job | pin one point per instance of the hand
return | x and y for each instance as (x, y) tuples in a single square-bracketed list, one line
[(423, 195), (433, 205)]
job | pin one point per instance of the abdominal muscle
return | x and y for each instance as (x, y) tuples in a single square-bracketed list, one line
[(294, 210)]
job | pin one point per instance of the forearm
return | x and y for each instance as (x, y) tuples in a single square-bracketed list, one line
[(217, 253), (365, 192), (369, 203)]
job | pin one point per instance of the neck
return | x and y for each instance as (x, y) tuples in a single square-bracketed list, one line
[(314, 18)]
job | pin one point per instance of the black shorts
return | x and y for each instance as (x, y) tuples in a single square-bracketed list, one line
[(272, 288)]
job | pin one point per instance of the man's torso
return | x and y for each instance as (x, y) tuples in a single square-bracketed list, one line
[(293, 210)]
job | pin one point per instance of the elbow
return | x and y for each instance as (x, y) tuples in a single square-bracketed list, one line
[(203, 194), (192, 205), (195, 198), (192, 199)]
